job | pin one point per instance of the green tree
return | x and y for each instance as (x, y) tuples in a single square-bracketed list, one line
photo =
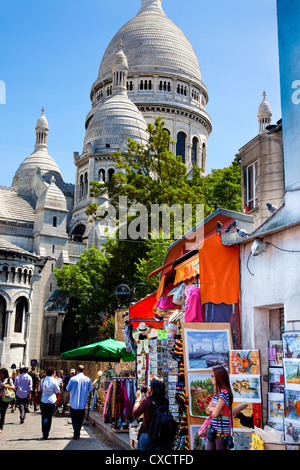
[(221, 188)]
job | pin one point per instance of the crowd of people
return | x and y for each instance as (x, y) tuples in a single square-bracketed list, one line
[(48, 391), (51, 391)]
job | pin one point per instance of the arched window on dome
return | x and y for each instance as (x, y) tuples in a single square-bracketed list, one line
[(111, 172), (2, 317), (101, 175), (203, 157), (20, 312), (54, 222), (195, 143), (180, 146)]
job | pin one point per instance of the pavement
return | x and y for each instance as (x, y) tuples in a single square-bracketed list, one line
[(28, 436)]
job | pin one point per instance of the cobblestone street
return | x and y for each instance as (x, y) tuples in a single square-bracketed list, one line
[(28, 436)]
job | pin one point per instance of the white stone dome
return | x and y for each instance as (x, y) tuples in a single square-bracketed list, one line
[(264, 109), (151, 41), (39, 159), (114, 122)]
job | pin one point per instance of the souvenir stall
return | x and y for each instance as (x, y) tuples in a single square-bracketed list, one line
[(196, 291)]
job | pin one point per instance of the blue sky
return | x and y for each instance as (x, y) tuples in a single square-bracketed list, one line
[(51, 52)]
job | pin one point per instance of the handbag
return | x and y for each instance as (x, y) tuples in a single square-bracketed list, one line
[(8, 395), (203, 430)]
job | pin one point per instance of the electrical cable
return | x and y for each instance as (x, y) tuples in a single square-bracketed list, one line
[(282, 249), (250, 253)]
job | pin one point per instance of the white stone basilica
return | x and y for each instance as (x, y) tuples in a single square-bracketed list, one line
[(148, 70)]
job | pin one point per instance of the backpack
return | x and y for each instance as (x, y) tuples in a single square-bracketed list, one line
[(163, 427)]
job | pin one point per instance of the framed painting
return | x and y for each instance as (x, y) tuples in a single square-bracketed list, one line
[(249, 417), (292, 431), (292, 404), (196, 442), (275, 353), (291, 369), (244, 362), (246, 388), (291, 345), (276, 380), (200, 391), (275, 407), (206, 348)]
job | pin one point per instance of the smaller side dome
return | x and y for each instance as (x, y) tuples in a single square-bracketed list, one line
[(52, 198)]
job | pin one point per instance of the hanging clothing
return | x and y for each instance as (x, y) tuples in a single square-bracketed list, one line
[(193, 305), (218, 313), (128, 338)]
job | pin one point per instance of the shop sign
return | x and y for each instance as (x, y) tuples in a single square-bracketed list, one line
[(123, 293)]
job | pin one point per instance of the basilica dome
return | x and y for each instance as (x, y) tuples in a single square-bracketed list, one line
[(151, 41)]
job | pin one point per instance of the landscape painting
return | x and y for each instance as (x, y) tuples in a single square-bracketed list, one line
[(205, 349), (200, 390), (292, 373)]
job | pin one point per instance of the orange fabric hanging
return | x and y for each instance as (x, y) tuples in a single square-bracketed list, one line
[(219, 272)]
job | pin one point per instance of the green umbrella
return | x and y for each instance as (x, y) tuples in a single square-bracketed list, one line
[(109, 350)]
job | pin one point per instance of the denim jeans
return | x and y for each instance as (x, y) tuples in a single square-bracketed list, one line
[(146, 444), (47, 410)]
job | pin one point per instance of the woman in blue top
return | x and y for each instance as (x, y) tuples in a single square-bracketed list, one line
[(49, 388), (220, 410)]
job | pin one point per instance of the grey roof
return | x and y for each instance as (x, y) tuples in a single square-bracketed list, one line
[(16, 207), (7, 246)]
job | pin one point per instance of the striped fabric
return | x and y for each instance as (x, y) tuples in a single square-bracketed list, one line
[(222, 423)]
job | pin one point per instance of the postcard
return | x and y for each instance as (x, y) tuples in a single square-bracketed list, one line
[(275, 353), (249, 417)]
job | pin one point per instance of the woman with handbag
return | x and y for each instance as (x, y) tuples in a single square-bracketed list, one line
[(49, 388), (219, 433), (7, 395)]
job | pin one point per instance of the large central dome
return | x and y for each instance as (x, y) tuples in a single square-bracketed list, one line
[(152, 40)]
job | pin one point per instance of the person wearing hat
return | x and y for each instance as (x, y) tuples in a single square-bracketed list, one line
[(66, 394), (141, 337)]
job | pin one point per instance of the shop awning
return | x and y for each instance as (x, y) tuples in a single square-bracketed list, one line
[(219, 272), (187, 269), (142, 311)]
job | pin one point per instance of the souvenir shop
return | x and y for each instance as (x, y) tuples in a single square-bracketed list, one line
[(193, 323), (186, 328)]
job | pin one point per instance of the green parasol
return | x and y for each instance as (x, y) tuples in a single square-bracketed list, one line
[(109, 350)]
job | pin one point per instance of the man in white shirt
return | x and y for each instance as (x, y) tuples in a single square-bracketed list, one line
[(79, 386)]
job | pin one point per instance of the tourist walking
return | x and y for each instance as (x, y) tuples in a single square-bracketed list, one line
[(23, 387), (7, 384), (49, 388), (35, 380), (79, 386), (220, 409), (66, 394)]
